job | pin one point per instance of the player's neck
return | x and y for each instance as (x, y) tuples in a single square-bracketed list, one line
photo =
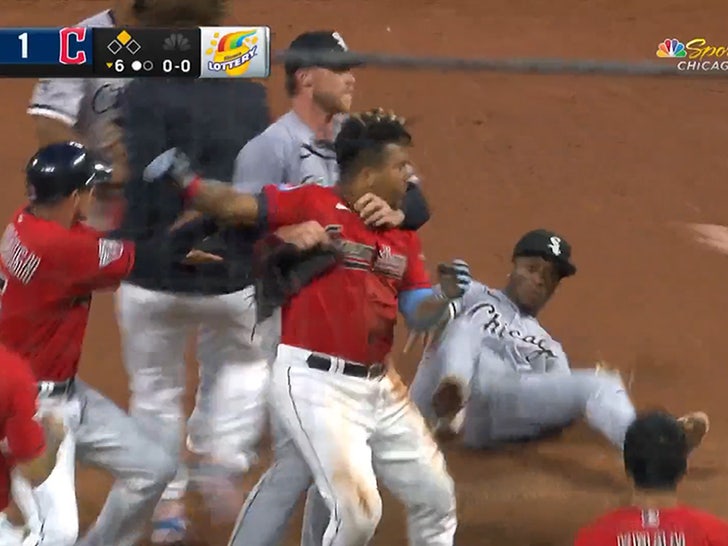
[(654, 499), (508, 291), (52, 214), (350, 192), (315, 118)]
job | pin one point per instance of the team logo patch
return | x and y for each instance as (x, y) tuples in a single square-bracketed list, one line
[(109, 251)]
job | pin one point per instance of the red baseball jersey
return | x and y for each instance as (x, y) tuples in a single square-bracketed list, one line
[(47, 275), (4, 482), (21, 436), (633, 526), (349, 312)]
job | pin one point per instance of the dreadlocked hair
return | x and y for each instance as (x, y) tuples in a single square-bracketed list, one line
[(363, 138)]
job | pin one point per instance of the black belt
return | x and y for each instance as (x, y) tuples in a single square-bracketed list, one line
[(325, 364), (49, 389)]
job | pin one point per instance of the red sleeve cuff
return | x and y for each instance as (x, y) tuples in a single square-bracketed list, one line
[(192, 190)]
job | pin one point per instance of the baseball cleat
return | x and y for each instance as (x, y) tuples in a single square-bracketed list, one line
[(696, 426), (169, 525)]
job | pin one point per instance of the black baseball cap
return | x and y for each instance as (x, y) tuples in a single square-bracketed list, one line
[(324, 48), (548, 245), (57, 170)]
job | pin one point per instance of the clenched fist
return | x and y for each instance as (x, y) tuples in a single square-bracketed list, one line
[(455, 278)]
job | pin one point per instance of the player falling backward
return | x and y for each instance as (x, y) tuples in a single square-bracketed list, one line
[(50, 263), (495, 375), (346, 412)]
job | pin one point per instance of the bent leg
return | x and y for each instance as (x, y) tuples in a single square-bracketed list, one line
[(426, 380), (412, 466), (230, 411), (154, 327), (530, 405), (329, 417), (270, 504), (110, 439)]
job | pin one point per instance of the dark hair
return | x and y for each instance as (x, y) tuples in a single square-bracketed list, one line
[(363, 138), (655, 451)]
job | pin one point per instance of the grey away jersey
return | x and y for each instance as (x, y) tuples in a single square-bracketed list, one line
[(84, 104), (492, 336), (286, 153)]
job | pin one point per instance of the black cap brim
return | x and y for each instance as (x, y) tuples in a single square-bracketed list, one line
[(564, 267)]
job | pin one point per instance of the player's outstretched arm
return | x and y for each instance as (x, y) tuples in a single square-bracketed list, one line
[(210, 197), (424, 308)]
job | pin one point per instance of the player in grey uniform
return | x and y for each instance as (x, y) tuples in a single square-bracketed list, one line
[(297, 149), (495, 374)]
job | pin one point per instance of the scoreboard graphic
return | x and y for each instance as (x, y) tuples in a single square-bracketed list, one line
[(101, 52)]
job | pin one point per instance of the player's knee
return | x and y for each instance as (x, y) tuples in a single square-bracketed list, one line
[(438, 496), (358, 512), (156, 470), (607, 384), (361, 515)]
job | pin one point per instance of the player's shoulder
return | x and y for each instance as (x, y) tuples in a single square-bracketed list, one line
[(706, 520), (605, 523), (102, 19), (276, 137)]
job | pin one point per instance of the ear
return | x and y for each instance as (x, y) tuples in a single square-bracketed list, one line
[(369, 176), (304, 77)]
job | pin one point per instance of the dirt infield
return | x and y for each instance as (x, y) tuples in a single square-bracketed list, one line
[(609, 162)]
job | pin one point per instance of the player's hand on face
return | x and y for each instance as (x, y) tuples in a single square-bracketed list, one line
[(305, 236), (376, 212), (455, 278)]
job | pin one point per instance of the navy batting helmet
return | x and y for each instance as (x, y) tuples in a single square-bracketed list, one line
[(58, 170)]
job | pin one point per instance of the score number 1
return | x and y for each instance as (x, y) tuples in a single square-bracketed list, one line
[(23, 45)]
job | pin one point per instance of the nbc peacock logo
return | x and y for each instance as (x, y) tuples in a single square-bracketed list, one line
[(233, 52), (671, 48)]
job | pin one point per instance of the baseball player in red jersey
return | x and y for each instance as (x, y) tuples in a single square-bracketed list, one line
[(50, 263), (24, 448), (655, 458), (350, 418)]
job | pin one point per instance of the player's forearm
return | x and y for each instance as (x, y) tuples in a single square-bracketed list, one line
[(424, 309), (223, 202)]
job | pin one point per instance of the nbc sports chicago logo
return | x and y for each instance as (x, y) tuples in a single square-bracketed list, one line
[(696, 54)]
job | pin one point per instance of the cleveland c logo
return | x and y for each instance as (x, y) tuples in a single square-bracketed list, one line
[(66, 34)]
